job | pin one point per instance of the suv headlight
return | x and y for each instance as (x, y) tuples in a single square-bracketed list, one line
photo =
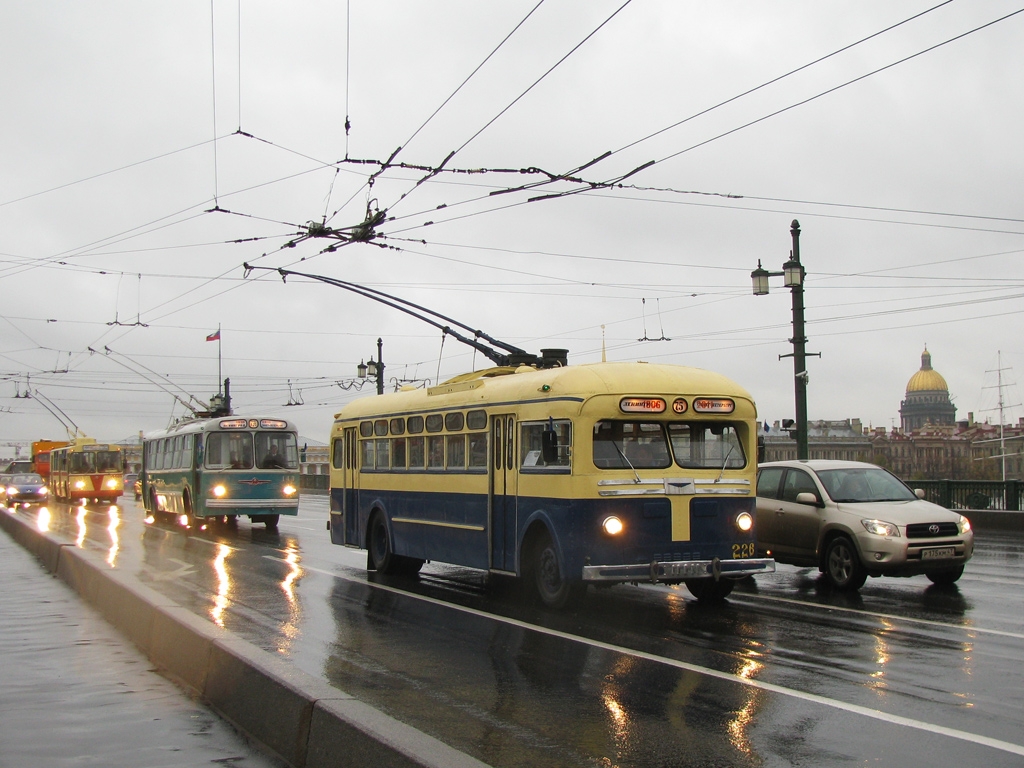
[(963, 524), (881, 528)]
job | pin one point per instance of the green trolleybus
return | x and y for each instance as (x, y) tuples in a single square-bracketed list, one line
[(220, 468)]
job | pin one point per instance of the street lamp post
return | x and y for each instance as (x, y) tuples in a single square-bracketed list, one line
[(793, 278), (375, 368)]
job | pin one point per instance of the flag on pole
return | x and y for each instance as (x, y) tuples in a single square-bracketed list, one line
[(215, 336)]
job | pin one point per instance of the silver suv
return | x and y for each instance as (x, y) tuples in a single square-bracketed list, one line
[(853, 520)]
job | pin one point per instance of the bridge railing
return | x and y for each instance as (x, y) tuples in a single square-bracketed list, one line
[(973, 494)]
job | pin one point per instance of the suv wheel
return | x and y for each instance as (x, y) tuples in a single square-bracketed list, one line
[(842, 565)]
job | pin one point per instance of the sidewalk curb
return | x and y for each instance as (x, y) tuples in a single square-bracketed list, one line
[(292, 714)]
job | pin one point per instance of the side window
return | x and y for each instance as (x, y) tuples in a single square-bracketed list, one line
[(531, 444), (435, 451), (798, 481), (338, 453), (397, 452), (478, 450), (768, 481), (416, 453), (456, 451), (366, 454)]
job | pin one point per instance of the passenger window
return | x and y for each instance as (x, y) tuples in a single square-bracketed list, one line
[(478, 450), (416, 453), (435, 452), (456, 451), (797, 482), (531, 444), (768, 481)]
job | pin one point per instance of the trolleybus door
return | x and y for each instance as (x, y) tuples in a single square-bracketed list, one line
[(349, 499), (503, 492)]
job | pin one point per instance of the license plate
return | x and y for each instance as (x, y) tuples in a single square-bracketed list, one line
[(931, 554)]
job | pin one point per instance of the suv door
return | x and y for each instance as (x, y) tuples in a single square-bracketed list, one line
[(798, 524)]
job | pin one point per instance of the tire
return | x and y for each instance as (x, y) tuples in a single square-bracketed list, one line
[(549, 584), (843, 568), (379, 555), (709, 590), (271, 521), (946, 578)]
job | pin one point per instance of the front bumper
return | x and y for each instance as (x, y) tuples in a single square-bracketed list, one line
[(673, 571)]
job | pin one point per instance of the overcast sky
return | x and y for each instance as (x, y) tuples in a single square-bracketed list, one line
[(150, 149)]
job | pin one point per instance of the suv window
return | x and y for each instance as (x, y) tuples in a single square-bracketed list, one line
[(798, 481), (768, 481)]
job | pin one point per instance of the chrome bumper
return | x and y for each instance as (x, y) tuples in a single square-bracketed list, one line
[(676, 570), (252, 503)]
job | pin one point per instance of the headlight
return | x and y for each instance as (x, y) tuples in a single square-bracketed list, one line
[(289, 490), (112, 483), (43, 491), (612, 525), (744, 521), (219, 490), (79, 485), (881, 528), (963, 524), (12, 490)]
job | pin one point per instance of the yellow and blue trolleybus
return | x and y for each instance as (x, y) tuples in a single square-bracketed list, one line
[(562, 475), (220, 468)]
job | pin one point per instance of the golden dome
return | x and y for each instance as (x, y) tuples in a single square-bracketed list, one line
[(927, 379)]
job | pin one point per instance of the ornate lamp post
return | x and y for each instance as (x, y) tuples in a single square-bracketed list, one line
[(793, 278), (374, 369)]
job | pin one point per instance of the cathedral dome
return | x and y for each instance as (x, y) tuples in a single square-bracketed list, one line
[(927, 379)]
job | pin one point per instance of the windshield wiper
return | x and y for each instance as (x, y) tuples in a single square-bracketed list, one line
[(725, 463)]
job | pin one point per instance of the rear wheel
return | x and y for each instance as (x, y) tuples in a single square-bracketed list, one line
[(709, 590), (271, 521), (842, 565), (549, 582), (945, 578), (380, 556)]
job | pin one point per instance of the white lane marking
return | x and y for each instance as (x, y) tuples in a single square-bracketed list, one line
[(873, 614), (874, 714)]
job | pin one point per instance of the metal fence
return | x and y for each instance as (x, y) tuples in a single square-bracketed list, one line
[(973, 494)]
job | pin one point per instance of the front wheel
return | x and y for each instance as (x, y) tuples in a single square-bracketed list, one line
[(271, 521), (842, 565), (946, 578), (549, 582), (709, 590)]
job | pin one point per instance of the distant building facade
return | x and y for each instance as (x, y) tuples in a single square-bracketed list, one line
[(930, 445)]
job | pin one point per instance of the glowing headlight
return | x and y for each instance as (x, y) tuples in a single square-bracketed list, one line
[(963, 524), (44, 490), (612, 525), (79, 485), (112, 483), (11, 491), (744, 521), (881, 528), (289, 490), (219, 490), (183, 520)]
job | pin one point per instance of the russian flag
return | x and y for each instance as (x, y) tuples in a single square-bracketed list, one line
[(215, 336)]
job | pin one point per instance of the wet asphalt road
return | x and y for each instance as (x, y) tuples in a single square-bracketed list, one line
[(785, 673)]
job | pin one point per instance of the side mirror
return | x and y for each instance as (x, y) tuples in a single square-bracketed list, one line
[(808, 498), (549, 446), (919, 492)]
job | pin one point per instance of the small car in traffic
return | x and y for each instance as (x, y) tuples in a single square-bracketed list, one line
[(131, 480), (25, 489), (852, 520)]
